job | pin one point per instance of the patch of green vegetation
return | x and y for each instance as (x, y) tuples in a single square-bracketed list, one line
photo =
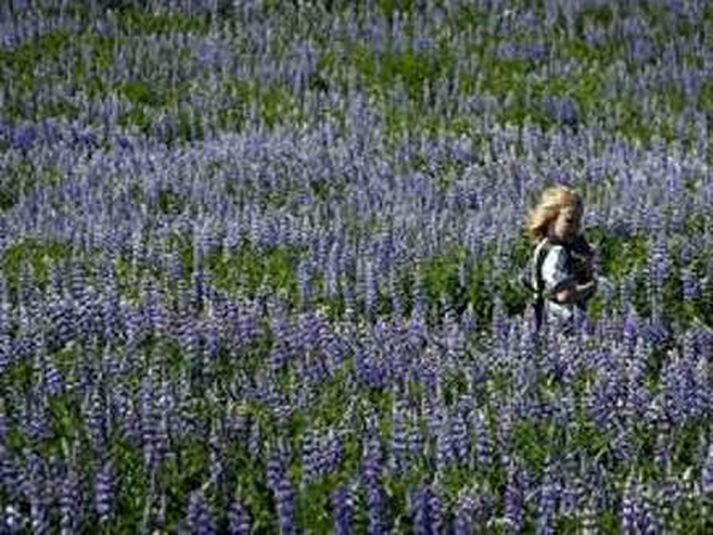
[(37, 254), (248, 269), (87, 55), (22, 61), (138, 118), (277, 105), (144, 92), (466, 19), (619, 254), (600, 15), (504, 76), (142, 22), (389, 7), (529, 441), (705, 98), (168, 202)]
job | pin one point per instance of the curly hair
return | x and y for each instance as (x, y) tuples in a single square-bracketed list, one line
[(552, 200)]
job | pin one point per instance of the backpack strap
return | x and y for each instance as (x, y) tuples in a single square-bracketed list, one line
[(541, 251), (539, 304)]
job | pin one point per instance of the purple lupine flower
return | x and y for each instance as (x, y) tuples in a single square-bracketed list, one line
[(104, 492), (464, 522), (572, 496), (371, 289), (255, 439), (13, 522), (371, 475), (460, 439), (662, 449), (283, 492), (707, 473), (650, 521), (311, 446), (215, 444), (691, 285), (514, 501), (396, 296), (199, 520), (343, 508), (549, 501), (335, 451), (97, 424), (284, 497), (37, 425), (304, 280), (239, 521), (69, 502), (376, 508), (425, 509), (149, 419), (630, 507), (482, 442), (35, 483), (10, 474), (52, 379), (445, 451), (630, 331), (588, 517), (504, 430), (398, 461), (415, 440)]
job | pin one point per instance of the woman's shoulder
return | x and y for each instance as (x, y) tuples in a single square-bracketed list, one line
[(557, 249), (557, 254)]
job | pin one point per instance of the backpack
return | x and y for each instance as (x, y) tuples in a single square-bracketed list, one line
[(531, 278)]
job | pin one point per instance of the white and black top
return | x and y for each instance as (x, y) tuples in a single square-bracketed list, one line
[(556, 275)]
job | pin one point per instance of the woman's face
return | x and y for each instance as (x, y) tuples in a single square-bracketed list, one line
[(566, 226)]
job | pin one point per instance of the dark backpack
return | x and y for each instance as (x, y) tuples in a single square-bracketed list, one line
[(532, 273)]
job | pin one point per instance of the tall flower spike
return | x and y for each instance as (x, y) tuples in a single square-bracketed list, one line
[(239, 521), (343, 507), (104, 492), (707, 473), (199, 520)]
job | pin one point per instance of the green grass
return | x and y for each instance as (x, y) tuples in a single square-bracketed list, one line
[(37, 255)]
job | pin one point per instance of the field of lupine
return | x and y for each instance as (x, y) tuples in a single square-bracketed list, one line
[(258, 264)]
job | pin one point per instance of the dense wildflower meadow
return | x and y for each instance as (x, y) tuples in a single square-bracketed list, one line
[(258, 266)]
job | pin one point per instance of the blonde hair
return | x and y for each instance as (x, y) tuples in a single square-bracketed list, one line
[(552, 200)]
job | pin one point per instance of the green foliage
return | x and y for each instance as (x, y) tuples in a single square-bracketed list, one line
[(37, 255), (142, 22), (143, 92), (249, 268), (22, 61)]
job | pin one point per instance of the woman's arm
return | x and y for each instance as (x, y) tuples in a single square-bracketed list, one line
[(577, 292)]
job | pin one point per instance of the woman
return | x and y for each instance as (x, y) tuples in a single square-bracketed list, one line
[(563, 275)]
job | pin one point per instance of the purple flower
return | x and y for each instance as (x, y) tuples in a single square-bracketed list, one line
[(549, 502), (631, 507), (96, 419), (199, 520), (283, 492), (104, 492), (426, 510), (464, 521), (69, 501), (343, 507), (514, 501), (460, 438), (239, 521), (311, 447), (707, 473), (482, 442), (399, 439), (13, 522)]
